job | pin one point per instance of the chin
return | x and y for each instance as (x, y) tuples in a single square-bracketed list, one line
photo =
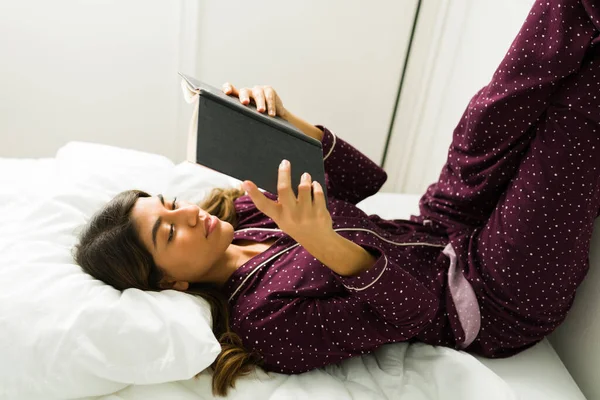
[(226, 230)]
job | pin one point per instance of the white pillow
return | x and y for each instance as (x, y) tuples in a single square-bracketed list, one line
[(64, 334)]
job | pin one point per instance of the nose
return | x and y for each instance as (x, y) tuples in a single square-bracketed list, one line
[(190, 213)]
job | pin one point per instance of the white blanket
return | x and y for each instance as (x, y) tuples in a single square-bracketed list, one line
[(394, 371)]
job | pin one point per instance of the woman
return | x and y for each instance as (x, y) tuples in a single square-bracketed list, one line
[(490, 266)]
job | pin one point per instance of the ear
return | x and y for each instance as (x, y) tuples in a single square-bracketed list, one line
[(181, 286)]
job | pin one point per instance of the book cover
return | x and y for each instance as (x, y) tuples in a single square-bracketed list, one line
[(241, 142)]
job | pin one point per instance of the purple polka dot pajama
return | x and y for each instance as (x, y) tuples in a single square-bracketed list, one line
[(492, 263), (520, 189)]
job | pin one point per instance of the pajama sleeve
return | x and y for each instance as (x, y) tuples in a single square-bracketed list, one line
[(382, 305), (350, 175)]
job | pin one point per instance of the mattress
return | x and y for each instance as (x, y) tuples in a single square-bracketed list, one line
[(416, 371)]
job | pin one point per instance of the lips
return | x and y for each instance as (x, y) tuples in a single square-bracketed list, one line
[(207, 222)]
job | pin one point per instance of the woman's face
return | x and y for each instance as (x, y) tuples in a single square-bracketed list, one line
[(175, 233)]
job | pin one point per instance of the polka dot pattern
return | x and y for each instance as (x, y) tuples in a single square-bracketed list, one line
[(301, 315), (503, 237), (519, 192)]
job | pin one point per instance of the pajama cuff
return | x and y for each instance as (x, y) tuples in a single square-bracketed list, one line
[(328, 141), (367, 279)]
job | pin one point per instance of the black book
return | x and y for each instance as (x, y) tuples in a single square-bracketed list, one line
[(241, 142)]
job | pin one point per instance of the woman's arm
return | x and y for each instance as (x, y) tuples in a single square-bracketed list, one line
[(297, 333), (306, 219), (267, 100), (339, 254), (349, 174), (352, 181), (305, 127)]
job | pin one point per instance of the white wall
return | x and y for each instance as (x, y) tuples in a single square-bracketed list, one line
[(334, 62), (106, 71), (576, 340), (100, 71)]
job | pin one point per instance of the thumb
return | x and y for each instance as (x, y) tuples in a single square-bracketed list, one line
[(265, 205)]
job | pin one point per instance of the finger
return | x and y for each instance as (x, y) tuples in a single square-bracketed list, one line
[(245, 96), (304, 188), (259, 98), (285, 194), (281, 111), (264, 204), (229, 89), (318, 196), (270, 98)]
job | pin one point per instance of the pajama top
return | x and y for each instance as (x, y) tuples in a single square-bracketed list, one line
[(300, 315)]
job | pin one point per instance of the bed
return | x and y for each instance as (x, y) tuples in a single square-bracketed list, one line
[(65, 335)]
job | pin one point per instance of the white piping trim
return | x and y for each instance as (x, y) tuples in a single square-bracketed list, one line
[(332, 146), (258, 267), (389, 241), (336, 230), (357, 229), (372, 283), (384, 256), (261, 229)]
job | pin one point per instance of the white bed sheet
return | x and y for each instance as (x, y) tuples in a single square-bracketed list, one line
[(394, 371), (535, 374)]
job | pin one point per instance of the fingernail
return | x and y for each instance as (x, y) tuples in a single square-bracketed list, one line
[(284, 163), (305, 176), (245, 186)]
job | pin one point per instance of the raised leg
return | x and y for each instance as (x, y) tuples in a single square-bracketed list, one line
[(533, 252), (500, 121), (527, 261)]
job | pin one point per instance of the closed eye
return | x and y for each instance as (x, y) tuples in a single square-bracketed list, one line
[(172, 229)]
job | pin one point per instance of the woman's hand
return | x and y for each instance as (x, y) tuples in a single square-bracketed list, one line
[(305, 219), (265, 98), (309, 223)]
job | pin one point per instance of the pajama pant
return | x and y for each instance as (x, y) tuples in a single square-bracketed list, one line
[(520, 189)]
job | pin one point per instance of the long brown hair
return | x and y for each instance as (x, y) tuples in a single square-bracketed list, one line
[(110, 249)]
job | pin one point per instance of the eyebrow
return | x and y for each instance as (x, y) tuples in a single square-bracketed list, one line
[(158, 222)]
